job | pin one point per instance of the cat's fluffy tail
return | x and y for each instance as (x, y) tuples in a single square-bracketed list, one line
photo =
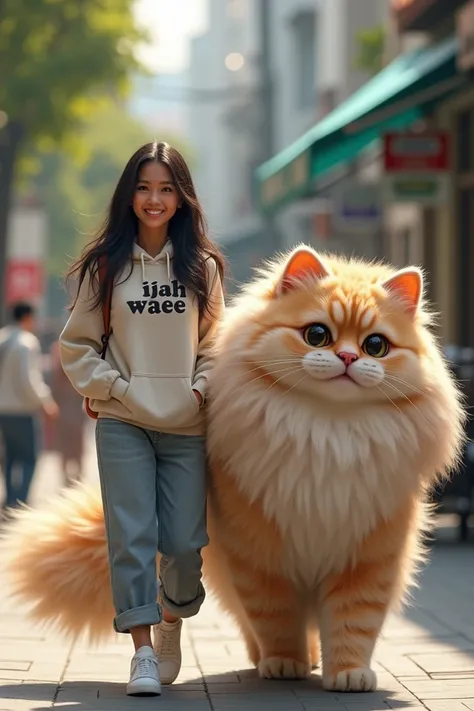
[(56, 561)]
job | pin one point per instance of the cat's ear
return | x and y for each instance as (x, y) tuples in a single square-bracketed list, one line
[(303, 263), (406, 285)]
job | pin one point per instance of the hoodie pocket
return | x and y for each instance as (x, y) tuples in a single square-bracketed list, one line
[(164, 399)]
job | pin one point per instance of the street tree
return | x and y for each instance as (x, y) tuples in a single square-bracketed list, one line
[(371, 44), (57, 60)]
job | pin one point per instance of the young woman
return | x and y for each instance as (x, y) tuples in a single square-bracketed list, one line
[(149, 392)]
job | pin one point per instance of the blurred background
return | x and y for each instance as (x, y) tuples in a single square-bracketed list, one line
[(345, 124)]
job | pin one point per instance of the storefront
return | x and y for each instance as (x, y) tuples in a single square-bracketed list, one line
[(429, 89), (404, 93), (448, 230)]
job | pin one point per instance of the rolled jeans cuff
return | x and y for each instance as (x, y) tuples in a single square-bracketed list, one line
[(145, 615), (188, 609)]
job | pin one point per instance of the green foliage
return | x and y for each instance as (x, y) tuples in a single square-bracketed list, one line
[(371, 45), (76, 190), (58, 56)]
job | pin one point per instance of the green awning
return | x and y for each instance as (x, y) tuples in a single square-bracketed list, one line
[(396, 97)]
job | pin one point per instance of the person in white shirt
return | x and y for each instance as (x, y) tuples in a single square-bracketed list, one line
[(23, 396)]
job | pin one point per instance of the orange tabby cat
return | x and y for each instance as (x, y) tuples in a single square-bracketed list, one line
[(331, 412)]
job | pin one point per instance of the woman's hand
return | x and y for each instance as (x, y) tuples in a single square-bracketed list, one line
[(198, 397)]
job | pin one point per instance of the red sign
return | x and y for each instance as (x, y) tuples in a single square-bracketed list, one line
[(24, 280), (416, 152)]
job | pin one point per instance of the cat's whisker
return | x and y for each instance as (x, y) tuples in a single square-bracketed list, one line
[(401, 393), (390, 399), (388, 376), (412, 404), (280, 356), (276, 362), (265, 375), (296, 384), (283, 376), (269, 361)]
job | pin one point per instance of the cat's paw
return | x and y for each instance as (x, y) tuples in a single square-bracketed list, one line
[(283, 668), (362, 679)]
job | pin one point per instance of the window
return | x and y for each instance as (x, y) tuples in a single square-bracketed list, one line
[(304, 34)]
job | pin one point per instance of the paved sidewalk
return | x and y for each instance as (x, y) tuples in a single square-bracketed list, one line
[(425, 660)]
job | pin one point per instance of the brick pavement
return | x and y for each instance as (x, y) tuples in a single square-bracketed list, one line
[(424, 660)]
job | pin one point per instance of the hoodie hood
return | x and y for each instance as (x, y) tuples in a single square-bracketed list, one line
[(166, 255)]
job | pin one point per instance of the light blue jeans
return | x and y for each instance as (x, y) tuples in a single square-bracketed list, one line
[(154, 496)]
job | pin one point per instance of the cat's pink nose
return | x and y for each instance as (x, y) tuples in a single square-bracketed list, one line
[(347, 358)]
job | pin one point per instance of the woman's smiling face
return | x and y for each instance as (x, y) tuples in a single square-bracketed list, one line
[(156, 197)]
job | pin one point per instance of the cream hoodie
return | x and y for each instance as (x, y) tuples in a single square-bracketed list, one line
[(159, 350)]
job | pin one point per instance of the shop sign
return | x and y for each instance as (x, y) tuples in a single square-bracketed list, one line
[(416, 152), (417, 168), (358, 206), (24, 280), (427, 189)]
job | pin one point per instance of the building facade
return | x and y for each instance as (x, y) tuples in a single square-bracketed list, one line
[(333, 38), (220, 106), (235, 124)]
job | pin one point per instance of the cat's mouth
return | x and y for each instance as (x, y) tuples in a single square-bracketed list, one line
[(344, 376)]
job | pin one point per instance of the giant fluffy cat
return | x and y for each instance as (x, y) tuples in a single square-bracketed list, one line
[(331, 412)]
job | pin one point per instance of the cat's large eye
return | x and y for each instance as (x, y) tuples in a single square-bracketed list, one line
[(376, 346), (317, 335)]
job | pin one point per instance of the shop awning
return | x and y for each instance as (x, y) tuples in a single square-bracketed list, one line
[(396, 97)]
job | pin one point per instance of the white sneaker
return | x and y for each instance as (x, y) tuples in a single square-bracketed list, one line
[(167, 646), (144, 675)]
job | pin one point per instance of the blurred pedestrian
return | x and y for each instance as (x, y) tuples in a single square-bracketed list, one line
[(148, 385), (69, 427), (23, 397)]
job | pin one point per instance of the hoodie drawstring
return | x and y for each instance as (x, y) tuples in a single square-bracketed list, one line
[(168, 268), (143, 258)]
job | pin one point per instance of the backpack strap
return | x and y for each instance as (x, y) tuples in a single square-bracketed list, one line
[(107, 307), (102, 271)]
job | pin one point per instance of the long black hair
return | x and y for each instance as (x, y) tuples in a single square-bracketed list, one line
[(187, 230)]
